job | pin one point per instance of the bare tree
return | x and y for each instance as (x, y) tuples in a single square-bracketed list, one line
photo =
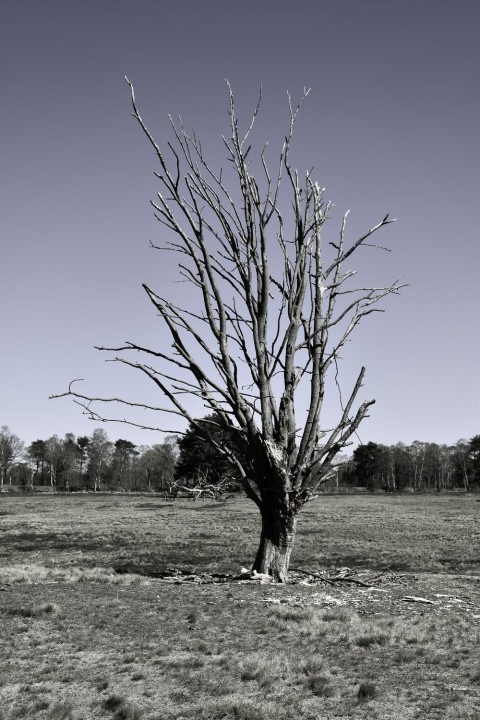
[(11, 449), (273, 311), (100, 451), (54, 453)]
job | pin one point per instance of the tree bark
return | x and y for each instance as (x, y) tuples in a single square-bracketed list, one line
[(279, 525)]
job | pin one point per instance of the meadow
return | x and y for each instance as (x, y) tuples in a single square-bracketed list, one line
[(90, 627)]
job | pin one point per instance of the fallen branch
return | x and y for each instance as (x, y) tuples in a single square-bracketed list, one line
[(413, 598), (382, 574), (332, 580), (347, 578), (313, 574)]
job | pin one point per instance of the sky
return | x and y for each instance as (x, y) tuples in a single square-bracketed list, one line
[(391, 125)]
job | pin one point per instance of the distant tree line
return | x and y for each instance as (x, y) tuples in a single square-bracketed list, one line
[(419, 467), (87, 463), (96, 463)]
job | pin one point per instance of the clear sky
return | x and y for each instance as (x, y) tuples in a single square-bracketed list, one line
[(391, 125)]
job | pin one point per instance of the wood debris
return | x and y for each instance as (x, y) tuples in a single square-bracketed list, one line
[(297, 576), (413, 598), (344, 574)]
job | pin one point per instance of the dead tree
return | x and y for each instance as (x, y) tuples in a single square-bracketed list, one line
[(273, 309), (202, 489)]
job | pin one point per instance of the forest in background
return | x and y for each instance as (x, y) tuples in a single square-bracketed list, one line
[(95, 463)]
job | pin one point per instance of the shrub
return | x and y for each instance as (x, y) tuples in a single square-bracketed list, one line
[(367, 691), (312, 664), (372, 638), (320, 684), (34, 612), (113, 702), (121, 708)]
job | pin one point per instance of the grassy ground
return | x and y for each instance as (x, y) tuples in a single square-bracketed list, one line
[(88, 633)]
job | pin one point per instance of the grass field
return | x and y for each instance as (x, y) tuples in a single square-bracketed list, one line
[(88, 630)]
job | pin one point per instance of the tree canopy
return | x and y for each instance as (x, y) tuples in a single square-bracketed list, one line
[(197, 456)]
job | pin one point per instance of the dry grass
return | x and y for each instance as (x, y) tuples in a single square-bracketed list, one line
[(81, 641)]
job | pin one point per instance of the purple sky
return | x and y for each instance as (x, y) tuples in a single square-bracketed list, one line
[(391, 125)]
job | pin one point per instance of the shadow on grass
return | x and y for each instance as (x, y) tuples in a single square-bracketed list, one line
[(154, 506)]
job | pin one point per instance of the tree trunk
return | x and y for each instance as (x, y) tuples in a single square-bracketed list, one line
[(279, 525), (30, 479)]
